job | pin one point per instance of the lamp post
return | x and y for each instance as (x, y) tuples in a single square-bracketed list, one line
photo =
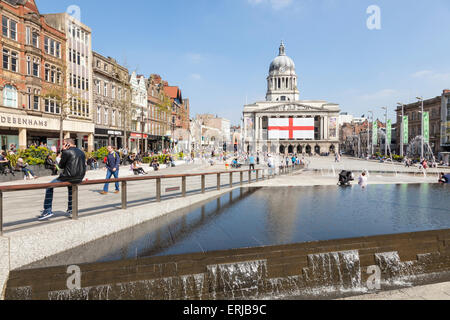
[(369, 150), (402, 128), (385, 137), (421, 121)]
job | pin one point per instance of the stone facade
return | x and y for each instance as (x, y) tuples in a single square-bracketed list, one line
[(436, 107), (282, 101), (158, 120), (111, 102), (139, 114), (79, 75)]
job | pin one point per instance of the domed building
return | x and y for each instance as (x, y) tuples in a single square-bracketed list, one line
[(284, 123)]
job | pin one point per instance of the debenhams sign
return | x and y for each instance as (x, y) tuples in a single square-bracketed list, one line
[(19, 121)]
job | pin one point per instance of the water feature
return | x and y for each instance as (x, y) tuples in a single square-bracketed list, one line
[(254, 217)]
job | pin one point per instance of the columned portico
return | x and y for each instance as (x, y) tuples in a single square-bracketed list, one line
[(282, 102)]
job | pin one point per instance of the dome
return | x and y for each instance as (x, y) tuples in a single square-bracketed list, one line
[(282, 64)]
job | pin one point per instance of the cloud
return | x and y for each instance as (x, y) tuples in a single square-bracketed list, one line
[(382, 94), (196, 76), (194, 57), (431, 75), (276, 4)]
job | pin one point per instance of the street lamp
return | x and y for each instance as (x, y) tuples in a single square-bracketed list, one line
[(402, 128), (422, 134), (368, 134), (385, 136)]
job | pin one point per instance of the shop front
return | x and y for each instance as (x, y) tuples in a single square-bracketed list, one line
[(19, 131), (138, 142), (108, 137)]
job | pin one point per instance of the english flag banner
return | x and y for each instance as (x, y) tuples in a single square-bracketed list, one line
[(292, 128)]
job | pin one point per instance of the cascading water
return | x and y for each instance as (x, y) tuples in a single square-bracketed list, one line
[(241, 280)]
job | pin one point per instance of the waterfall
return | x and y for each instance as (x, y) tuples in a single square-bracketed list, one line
[(243, 280), (335, 269), (392, 267)]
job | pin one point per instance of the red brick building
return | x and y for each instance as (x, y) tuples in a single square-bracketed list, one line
[(33, 62)]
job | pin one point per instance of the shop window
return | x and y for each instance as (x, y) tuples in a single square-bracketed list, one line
[(10, 96)]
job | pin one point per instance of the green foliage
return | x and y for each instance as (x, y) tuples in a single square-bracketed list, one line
[(33, 156), (180, 155), (160, 158), (101, 153)]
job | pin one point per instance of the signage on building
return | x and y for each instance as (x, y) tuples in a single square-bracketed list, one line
[(138, 135), (19, 121)]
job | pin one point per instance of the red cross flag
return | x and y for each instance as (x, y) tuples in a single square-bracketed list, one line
[(291, 128)]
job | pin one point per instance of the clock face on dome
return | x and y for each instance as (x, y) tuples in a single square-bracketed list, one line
[(282, 69)]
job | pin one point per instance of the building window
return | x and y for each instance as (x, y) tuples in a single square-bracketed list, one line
[(36, 65), (10, 60), (106, 116), (52, 106), (120, 119), (9, 28), (10, 96), (105, 89), (36, 100), (52, 47), (35, 39), (113, 118), (97, 84), (113, 91), (99, 115)]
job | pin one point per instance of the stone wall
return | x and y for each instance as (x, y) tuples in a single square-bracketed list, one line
[(4, 264), (297, 270)]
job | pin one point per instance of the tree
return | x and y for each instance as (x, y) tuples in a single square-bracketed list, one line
[(63, 97)]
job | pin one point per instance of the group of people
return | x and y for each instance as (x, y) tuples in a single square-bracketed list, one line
[(21, 166)]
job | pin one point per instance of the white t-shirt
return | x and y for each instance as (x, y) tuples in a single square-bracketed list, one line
[(363, 181)]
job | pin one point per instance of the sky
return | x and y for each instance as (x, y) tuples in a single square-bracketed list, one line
[(219, 51)]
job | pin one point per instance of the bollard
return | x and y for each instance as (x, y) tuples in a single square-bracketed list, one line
[(218, 181), (1, 213), (124, 195), (203, 183), (158, 190), (75, 202), (257, 175), (249, 176), (183, 186)]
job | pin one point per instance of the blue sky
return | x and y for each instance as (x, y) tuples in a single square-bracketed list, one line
[(219, 51)]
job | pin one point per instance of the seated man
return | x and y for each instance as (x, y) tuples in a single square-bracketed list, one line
[(444, 178), (5, 164), (155, 165), (51, 165)]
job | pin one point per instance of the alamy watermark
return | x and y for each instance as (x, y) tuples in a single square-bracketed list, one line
[(374, 280), (74, 11), (374, 19), (74, 280)]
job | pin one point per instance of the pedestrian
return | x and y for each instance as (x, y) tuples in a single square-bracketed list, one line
[(362, 181), (73, 162), (252, 162), (112, 166)]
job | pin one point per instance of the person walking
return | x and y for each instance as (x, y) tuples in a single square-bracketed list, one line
[(73, 162), (252, 162), (112, 165)]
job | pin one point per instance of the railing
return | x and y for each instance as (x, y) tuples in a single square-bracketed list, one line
[(124, 181)]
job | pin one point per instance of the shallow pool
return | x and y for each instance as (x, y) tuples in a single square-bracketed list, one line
[(251, 217)]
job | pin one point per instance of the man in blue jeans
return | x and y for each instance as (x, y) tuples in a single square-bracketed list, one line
[(73, 162), (112, 165)]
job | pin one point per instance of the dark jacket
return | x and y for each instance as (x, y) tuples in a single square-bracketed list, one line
[(113, 161), (73, 162), (49, 163)]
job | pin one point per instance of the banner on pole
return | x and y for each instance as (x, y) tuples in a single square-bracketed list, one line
[(389, 132), (405, 130), (375, 134), (426, 127)]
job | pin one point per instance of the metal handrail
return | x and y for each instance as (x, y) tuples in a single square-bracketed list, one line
[(123, 181)]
